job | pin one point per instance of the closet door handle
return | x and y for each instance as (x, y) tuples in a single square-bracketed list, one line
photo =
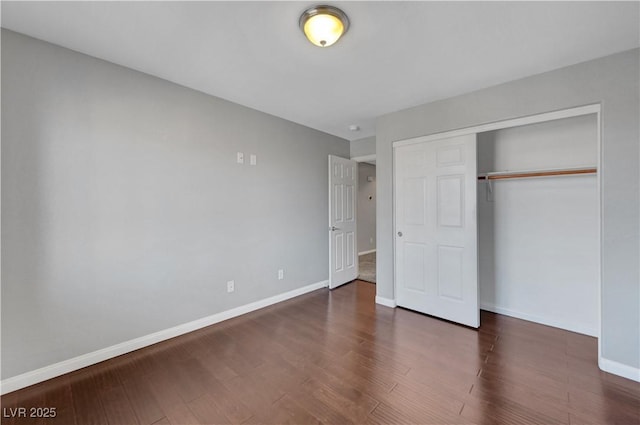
[(400, 234)]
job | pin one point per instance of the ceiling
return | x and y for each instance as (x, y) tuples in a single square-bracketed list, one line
[(395, 55)]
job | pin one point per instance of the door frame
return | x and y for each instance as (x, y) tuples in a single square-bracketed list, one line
[(364, 158), (578, 111)]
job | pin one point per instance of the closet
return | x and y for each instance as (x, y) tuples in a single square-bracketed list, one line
[(533, 211), (538, 250)]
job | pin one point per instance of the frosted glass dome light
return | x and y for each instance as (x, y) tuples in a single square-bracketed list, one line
[(324, 25)]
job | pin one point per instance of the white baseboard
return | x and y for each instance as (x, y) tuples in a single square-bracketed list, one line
[(366, 252), (619, 369), (388, 302), (33, 377), (573, 327)]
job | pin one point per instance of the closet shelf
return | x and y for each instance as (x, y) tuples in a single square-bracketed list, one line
[(503, 175)]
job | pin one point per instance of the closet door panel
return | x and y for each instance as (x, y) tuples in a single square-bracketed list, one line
[(451, 201), (435, 210), (450, 272), (414, 266)]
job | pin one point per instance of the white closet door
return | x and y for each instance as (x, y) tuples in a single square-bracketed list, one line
[(436, 251)]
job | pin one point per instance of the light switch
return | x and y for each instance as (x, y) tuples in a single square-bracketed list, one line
[(253, 159), (240, 158)]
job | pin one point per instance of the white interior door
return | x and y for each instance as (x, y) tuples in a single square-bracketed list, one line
[(436, 251), (343, 250)]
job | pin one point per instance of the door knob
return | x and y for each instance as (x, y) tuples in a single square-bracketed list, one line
[(334, 228), (400, 234)]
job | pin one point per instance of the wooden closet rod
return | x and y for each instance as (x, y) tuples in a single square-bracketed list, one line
[(540, 173)]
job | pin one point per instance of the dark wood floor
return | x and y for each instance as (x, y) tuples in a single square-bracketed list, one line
[(336, 357)]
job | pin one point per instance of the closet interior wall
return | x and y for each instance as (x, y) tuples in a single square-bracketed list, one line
[(538, 243)]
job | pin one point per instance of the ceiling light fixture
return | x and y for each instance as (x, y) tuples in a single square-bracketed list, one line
[(324, 25)]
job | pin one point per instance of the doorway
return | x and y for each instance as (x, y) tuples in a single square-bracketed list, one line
[(367, 221)]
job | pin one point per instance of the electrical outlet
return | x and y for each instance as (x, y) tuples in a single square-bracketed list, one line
[(231, 286), (280, 274), (253, 159), (240, 158)]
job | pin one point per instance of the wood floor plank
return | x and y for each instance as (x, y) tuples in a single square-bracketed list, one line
[(287, 411), (338, 358), (430, 397), (325, 413), (553, 409), (64, 416), (207, 412), (233, 409), (255, 397), (228, 402), (117, 408), (142, 401), (391, 415), (163, 389), (136, 365), (216, 366), (86, 400), (349, 402), (377, 362), (187, 380), (180, 414)]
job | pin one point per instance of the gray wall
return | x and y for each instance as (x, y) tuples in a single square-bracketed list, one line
[(363, 147), (611, 81), (366, 207), (124, 211)]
